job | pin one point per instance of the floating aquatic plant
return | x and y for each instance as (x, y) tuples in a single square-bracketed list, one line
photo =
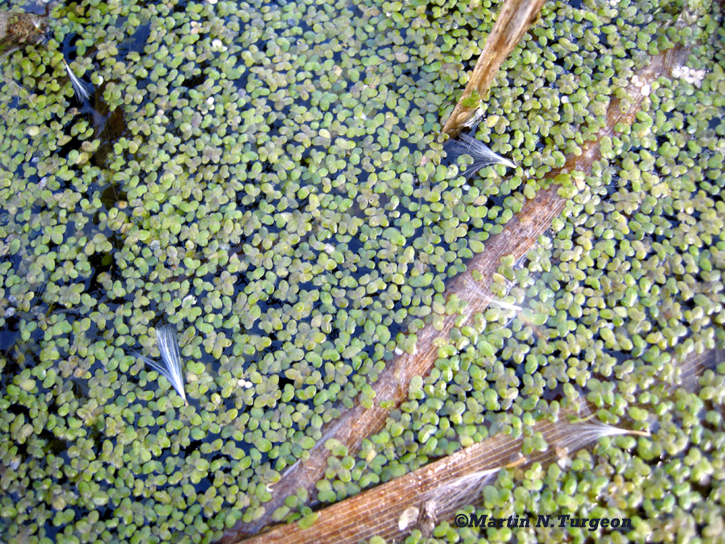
[(297, 178), (18, 30), (480, 152), (171, 369)]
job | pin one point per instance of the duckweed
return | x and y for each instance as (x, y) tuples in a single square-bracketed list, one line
[(275, 190)]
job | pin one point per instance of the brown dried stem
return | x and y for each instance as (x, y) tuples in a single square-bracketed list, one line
[(513, 21)]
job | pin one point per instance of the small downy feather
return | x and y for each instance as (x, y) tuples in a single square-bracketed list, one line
[(171, 356), (480, 152), (465, 488), (79, 87), (470, 282), (578, 435)]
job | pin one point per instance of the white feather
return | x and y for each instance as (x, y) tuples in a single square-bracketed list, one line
[(470, 282), (480, 152), (80, 88), (578, 435), (171, 356)]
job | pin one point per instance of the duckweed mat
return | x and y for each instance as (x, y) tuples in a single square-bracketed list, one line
[(268, 180), (378, 512), (453, 325)]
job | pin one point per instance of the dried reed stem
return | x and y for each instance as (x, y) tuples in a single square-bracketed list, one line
[(513, 21)]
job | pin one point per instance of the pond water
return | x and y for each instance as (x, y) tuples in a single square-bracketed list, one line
[(268, 179)]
